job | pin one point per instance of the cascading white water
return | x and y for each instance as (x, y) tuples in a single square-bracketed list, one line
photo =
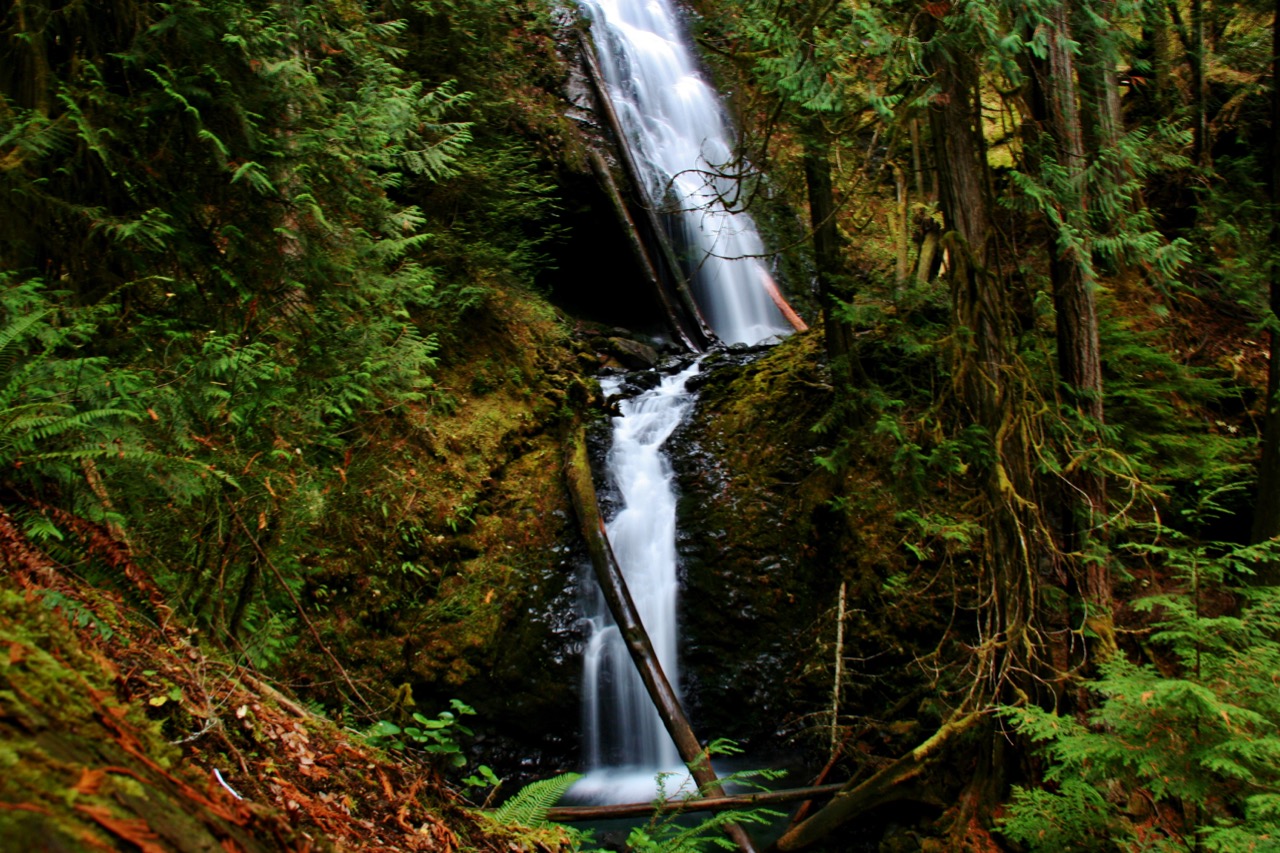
[(681, 142), (625, 742)]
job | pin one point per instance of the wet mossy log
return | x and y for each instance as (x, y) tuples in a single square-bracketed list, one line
[(582, 491), (693, 337), (889, 784), (683, 312)]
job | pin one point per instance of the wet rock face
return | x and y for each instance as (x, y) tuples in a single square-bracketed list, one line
[(532, 686), (756, 582), (752, 547)]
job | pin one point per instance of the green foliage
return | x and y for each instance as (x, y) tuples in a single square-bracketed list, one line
[(672, 832), (529, 805), (261, 221), (1156, 412), (75, 613), (437, 737), (1114, 228), (58, 409), (1174, 756)]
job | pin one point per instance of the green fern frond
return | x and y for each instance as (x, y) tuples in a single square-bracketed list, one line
[(529, 805), (18, 327)]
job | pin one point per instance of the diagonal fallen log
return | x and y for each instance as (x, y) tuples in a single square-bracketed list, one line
[(888, 784), (789, 313), (686, 315), (694, 338), (570, 814), (582, 491)]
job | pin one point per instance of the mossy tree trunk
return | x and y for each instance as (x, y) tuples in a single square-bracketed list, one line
[(827, 254), (986, 376), (1058, 136)]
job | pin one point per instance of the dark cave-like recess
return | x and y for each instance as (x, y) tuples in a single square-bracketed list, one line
[(596, 276)]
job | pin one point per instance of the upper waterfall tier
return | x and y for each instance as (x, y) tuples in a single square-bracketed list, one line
[(681, 142)]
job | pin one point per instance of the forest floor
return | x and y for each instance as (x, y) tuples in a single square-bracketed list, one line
[(118, 730)]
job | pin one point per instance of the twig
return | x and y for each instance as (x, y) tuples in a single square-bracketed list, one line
[(208, 725), (223, 782)]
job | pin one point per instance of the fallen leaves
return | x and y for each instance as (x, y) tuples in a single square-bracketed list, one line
[(305, 783), (134, 830)]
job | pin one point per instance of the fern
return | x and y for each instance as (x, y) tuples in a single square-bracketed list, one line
[(1199, 742), (529, 805)]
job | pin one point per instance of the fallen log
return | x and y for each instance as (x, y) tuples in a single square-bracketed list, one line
[(613, 585), (694, 341), (886, 785), (570, 814), (771, 287), (666, 254)]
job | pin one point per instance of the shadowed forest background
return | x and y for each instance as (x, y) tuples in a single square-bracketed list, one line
[(302, 305)]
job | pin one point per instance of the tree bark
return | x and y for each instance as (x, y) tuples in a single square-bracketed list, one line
[(1199, 86), (1055, 105), (986, 377), (570, 814), (886, 785), (827, 254), (1096, 71), (582, 492), (898, 225), (927, 260)]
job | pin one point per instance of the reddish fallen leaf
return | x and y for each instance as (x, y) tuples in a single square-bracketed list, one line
[(134, 830), (90, 782), (17, 653)]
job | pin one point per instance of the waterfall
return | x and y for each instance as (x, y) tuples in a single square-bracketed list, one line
[(682, 143), (625, 743)]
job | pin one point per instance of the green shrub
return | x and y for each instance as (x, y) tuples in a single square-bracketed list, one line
[(1184, 755)]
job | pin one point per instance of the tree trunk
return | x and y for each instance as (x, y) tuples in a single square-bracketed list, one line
[(1055, 106), (899, 222), (614, 586), (1099, 92), (927, 260), (1199, 85), (987, 379), (1159, 91), (827, 255)]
